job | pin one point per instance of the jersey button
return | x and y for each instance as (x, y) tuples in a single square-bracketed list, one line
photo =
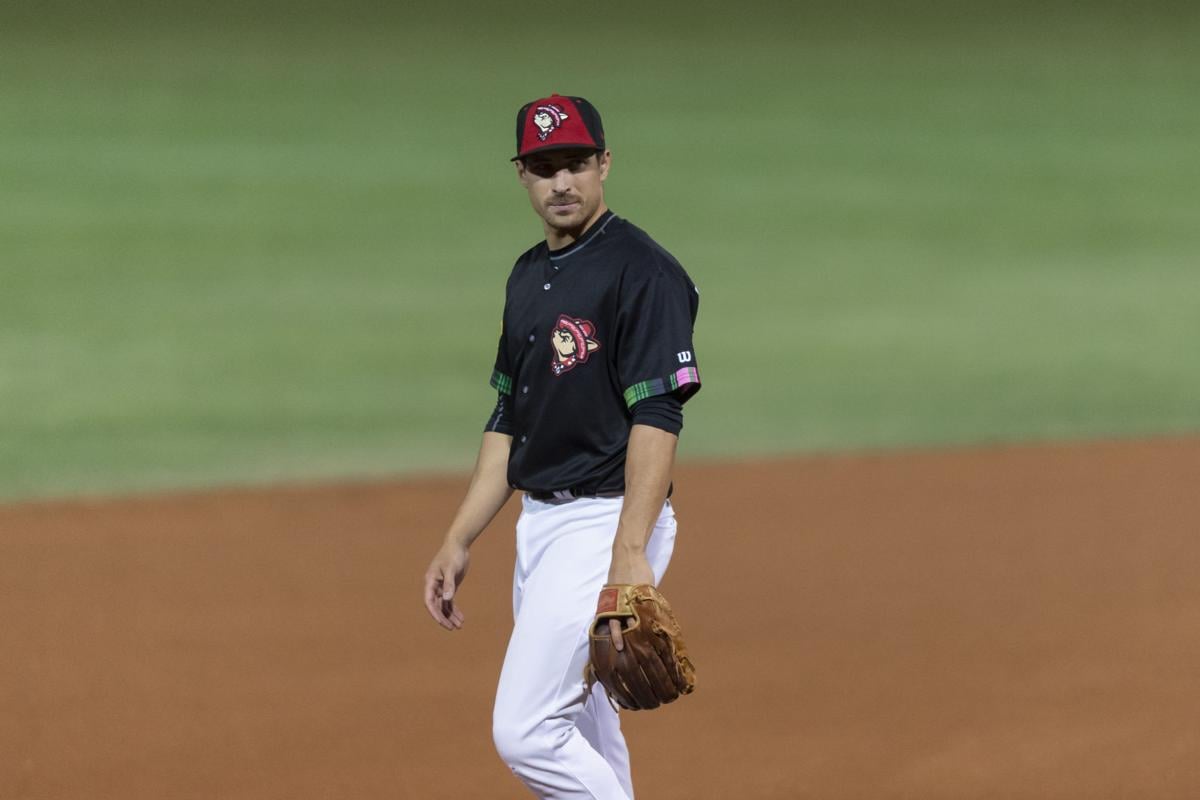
[(546, 287), (523, 439), (531, 337), (524, 390)]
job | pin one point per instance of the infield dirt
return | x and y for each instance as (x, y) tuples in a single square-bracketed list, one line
[(1012, 622)]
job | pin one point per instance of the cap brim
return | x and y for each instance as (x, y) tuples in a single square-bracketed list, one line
[(559, 146)]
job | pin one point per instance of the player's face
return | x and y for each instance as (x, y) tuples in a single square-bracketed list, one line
[(566, 187)]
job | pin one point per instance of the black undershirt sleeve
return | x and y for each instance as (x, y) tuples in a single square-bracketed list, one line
[(500, 421), (663, 411)]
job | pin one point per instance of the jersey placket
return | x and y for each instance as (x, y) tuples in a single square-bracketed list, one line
[(538, 349)]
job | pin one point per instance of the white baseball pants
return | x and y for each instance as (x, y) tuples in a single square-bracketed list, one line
[(563, 743)]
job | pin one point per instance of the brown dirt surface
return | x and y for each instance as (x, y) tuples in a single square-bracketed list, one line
[(1010, 622)]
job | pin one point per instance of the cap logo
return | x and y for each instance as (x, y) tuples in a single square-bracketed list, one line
[(548, 119)]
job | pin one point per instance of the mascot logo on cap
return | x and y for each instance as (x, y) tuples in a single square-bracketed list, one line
[(548, 119), (572, 340)]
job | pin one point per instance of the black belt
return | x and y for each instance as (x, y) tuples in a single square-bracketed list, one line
[(567, 495)]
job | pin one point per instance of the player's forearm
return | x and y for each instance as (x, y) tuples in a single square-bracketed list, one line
[(648, 463), (487, 492)]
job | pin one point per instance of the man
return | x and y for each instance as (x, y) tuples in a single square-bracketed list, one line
[(594, 364)]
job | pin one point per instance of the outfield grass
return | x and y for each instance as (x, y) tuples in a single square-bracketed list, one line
[(256, 242)]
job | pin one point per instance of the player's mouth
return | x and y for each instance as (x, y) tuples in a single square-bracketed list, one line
[(564, 208)]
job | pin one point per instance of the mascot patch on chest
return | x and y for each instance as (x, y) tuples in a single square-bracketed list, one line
[(573, 341)]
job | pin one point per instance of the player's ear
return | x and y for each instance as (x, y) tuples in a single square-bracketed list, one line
[(525, 174), (604, 160)]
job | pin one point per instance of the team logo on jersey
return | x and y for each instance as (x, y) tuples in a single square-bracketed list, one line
[(548, 119), (573, 341)]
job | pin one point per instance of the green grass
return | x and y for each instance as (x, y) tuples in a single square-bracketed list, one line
[(266, 242)]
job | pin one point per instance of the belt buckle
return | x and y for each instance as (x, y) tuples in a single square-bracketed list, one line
[(563, 494)]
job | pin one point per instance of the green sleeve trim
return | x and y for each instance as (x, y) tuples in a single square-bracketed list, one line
[(687, 380), (501, 382)]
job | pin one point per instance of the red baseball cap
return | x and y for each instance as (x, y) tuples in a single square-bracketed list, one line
[(557, 123)]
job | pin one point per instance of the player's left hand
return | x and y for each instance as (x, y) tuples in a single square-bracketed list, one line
[(653, 666), (631, 568)]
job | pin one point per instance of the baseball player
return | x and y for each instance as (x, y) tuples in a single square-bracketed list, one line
[(594, 364)]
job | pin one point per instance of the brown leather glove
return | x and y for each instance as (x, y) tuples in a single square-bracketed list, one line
[(653, 668)]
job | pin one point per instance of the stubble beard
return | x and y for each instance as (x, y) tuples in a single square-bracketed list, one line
[(570, 222)]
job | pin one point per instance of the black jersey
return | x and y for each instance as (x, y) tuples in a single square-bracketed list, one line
[(589, 330)]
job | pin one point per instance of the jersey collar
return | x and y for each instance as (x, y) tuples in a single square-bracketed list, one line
[(583, 241)]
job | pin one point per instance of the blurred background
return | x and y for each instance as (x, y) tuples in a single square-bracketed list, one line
[(264, 241)]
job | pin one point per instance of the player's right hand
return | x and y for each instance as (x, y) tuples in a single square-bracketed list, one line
[(442, 579)]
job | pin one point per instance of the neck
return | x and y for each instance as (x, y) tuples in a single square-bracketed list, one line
[(558, 238)]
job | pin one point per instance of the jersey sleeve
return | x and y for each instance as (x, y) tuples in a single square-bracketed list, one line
[(655, 354), (502, 380)]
